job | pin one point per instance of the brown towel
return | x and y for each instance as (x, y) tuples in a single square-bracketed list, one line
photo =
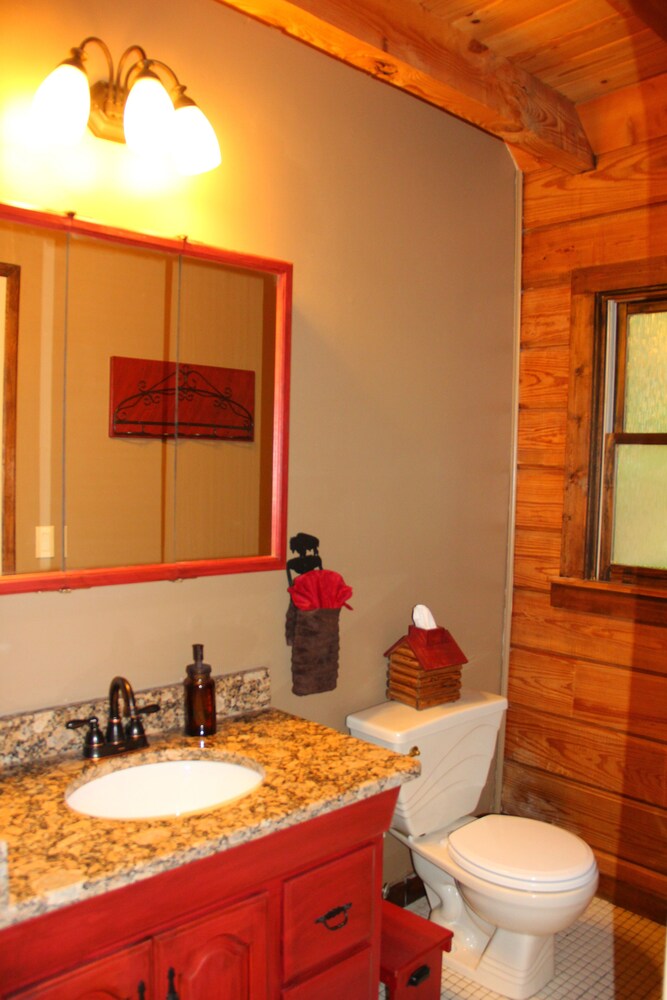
[(315, 641)]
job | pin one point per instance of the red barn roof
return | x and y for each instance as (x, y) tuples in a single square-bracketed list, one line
[(434, 648)]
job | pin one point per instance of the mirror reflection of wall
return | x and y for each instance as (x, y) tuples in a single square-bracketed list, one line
[(226, 318), (42, 259), (86, 499), (221, 314), (114, 487)]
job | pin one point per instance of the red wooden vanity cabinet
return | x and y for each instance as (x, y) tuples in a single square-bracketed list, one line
[(292, 916), (222, 956)]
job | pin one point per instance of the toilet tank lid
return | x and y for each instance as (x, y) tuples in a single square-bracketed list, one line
[(394, 722)]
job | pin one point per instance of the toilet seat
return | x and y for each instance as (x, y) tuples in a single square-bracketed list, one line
[(522, 853)]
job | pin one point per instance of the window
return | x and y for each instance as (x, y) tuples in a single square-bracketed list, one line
[(614, 541), (631, 541)]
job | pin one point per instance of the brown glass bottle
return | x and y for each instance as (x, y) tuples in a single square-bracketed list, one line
[(199, 689)]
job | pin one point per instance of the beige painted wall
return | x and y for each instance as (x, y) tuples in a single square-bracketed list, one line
[(400, 223)]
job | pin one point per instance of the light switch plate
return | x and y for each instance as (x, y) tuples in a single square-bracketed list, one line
[(44, 541)]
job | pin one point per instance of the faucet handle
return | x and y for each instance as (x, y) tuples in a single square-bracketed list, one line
[(134, 729), (149, 709), (94, 737)]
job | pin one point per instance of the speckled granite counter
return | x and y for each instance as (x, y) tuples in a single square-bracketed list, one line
[(55, 857)]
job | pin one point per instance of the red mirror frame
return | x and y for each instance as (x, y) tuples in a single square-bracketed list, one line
[(276, 559)]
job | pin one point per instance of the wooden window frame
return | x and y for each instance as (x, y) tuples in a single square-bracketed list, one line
[(646, 301), (642, 599)]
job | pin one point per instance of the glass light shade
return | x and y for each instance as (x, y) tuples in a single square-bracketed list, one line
[(195, 147), (61, 106), (148, 115)]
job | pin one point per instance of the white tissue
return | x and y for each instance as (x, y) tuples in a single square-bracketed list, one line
[(422, 617)]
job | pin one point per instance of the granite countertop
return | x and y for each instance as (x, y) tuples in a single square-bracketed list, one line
[(54, 857)]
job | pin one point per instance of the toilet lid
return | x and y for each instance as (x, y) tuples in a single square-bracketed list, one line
[(522, 853)]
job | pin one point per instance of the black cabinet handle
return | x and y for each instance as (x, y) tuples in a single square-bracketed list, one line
[(338, 911), (419, 976), (171, 993), (141, 990)]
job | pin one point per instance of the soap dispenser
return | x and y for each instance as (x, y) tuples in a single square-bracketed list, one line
[(199, 696)]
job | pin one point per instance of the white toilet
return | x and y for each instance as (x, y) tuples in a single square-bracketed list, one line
[(504, 884)]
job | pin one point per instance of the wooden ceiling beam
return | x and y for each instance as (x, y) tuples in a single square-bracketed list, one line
[(409, 48)]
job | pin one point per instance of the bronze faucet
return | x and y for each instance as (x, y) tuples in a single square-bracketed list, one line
[(118, 738)]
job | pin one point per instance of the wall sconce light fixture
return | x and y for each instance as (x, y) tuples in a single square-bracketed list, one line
[(143, 104)]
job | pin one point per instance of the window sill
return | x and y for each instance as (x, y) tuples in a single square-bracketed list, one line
[(647, 605)]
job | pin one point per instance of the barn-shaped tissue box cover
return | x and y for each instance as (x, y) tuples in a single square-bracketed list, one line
[(425, 665)]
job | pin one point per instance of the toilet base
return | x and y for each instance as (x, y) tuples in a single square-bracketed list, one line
[(504, 938), (515, 965)]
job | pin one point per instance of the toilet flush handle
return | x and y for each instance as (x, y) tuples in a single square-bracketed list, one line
[(414, 752)]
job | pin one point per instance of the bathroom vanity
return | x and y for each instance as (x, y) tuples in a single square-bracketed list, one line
[(276, 895)]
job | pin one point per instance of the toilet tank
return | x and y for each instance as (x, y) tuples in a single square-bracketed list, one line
[(455, 743)]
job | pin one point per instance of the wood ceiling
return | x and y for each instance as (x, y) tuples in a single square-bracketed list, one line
[(517, 69)]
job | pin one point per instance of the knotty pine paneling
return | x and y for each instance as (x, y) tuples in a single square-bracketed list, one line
[(537, 625), (552, 253), (544, 376), (611, 697), (545, 316), (518, 30), (587, 729), (623, 764), (578, 78), (634, 887), (539, 498), (541, 681), (626, 117), (633, 831), (627, 700), (536, 558), (541, 437), (637, 175)]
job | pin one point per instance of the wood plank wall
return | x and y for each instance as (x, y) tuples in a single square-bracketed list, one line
[(587, 723)]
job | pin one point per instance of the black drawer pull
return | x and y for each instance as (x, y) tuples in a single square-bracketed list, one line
[(338, 911), (419, 976)]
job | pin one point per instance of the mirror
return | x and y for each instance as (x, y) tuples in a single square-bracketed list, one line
[(144, 405)]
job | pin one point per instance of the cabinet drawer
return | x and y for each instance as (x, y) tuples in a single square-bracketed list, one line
[(327, 911), (352, 979)]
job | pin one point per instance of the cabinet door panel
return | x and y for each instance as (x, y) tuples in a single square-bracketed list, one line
[(351, 979), (328, 911), (223, 956), (123, 976)]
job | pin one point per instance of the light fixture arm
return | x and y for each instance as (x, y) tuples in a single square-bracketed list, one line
[(105, 51), (122, 84), (172, 85), (108, 118), (108, 96), (150, 64)]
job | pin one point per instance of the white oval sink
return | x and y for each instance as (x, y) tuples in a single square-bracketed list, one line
[(163, 788)]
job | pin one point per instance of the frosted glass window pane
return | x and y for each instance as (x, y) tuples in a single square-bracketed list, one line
[(646, 374), (640, 507)]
